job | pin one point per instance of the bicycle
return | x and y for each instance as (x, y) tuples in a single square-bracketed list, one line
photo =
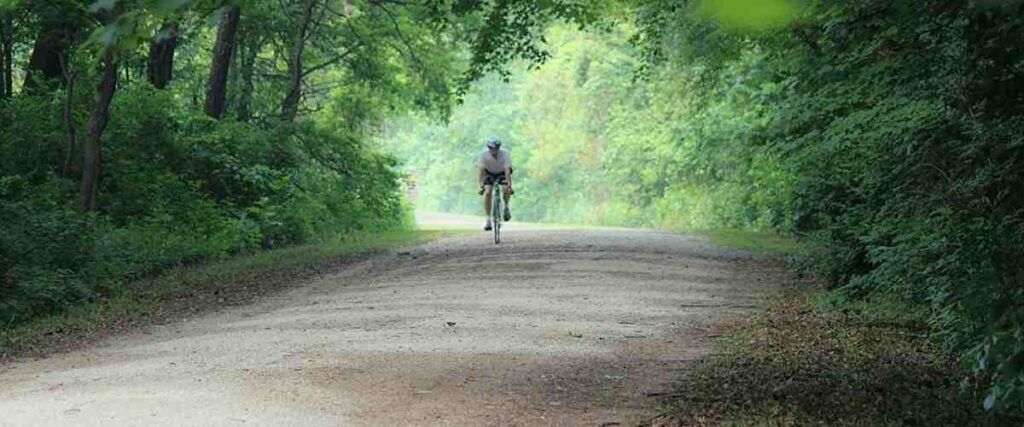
[(497, 211)]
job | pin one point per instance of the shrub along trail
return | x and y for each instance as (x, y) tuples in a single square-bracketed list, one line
[(557, 326)]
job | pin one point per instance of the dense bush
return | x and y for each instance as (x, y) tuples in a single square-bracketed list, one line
[(177, 187), (45, 250)]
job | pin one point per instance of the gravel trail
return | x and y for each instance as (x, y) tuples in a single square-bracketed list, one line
[(553, 327)]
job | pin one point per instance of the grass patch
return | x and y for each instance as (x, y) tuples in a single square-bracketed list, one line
[(190, 290), (755, 241), (800, 363)]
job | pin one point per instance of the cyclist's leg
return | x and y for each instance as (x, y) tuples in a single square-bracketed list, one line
[(488, 192), (505, 195), (488, 195)]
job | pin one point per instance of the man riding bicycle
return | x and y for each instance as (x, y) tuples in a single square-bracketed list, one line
[(494, 165)]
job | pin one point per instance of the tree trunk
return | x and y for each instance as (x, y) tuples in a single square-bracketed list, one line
[(69, 118), (6, 39), (223, 50), (290, 105), (9, 68), (98, 121), (248, 52), (160, 67), (59, 31)]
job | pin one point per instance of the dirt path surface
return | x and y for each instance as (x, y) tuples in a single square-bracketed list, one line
[(554, 327)]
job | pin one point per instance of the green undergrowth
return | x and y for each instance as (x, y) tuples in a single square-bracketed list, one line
[(803, 361), (189, 290), (755, 241)]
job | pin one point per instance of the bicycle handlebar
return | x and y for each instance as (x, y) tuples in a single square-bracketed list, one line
[(511, 192)]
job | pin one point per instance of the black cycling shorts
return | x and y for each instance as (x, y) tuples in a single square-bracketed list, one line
[(490, 179)]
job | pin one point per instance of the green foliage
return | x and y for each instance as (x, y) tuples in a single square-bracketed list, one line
[(514, 30), (177, 188), (901, 159), (591, 144), (45, 250)]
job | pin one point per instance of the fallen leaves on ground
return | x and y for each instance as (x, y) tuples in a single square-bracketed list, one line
[(795, 364)]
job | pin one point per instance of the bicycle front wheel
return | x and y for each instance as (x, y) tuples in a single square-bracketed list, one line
[(496, 216)]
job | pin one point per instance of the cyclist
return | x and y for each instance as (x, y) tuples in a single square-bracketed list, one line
[(494, 165)]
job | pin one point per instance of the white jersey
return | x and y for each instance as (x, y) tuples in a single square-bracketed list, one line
[(494, 165)]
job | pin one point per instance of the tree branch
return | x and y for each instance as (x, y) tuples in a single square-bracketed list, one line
[(329, 62)]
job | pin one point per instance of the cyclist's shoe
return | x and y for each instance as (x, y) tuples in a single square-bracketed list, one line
[(487, 226), (508, 214)]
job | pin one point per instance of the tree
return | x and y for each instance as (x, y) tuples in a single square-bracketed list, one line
[(91, 155), (290, 105), (160, 66), (223, 51), (6, 54), (248, 48), (60, 29)]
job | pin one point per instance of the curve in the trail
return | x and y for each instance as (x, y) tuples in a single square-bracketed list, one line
[(578, 327)]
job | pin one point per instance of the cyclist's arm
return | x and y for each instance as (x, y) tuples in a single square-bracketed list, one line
[(508, 169), (480, 176)]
